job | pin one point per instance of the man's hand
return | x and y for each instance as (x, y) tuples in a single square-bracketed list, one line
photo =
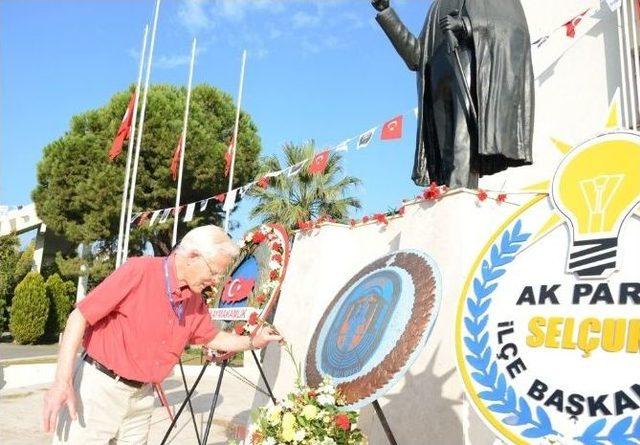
[(59, 394), (380, 5), (263, 336), (453, 23)]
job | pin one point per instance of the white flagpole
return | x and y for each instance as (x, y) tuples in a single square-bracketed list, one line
[(125, 188), (235, 139), (125, 249), (623, 80), (628, 55), (635, 18), (183, 144)]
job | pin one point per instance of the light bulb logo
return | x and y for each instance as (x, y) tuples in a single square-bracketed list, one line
[(596, 187)]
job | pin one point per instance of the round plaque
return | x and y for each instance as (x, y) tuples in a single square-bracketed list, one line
[(376, 326)]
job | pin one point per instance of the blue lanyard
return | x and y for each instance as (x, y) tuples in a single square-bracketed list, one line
[(178, 308)]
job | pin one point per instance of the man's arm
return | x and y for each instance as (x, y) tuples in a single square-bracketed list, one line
[(62, 393), (228, 342), (406, 44)]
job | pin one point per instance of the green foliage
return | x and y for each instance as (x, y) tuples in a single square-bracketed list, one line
[(25, 263), (79, 191), (305, 196), (9, 255), (29, 310), (61, 295), (98, 266)]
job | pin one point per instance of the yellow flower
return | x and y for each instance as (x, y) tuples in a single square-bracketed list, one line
[(309, 412), (288, 434), (274, 416), (288, 427)]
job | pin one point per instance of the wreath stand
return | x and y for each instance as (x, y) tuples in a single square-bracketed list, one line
[(223, 360), (385, 424)]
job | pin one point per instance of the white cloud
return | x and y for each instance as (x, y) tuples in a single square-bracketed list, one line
[(252, 24), (302, 19), (236, 10), (175, 60), (193, 15)]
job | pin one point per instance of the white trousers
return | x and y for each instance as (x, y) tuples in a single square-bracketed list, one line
[(108, 411)]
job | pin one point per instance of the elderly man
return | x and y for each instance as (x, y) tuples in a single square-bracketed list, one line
[(133, 328)]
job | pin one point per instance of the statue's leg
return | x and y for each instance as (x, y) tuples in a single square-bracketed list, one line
[(462, 174)]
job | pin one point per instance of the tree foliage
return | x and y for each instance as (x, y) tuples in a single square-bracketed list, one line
[(29, 309), (9, 255), (305, 196), (79, 191), (61, 295), (25, 263)]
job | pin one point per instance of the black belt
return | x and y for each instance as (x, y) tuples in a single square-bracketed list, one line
[(100, 367)]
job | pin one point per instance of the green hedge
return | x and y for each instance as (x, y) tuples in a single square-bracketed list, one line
[(29, 309), (61, 295)]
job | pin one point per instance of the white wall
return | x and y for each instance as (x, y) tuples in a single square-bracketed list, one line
[(576, 81), (426, 406)]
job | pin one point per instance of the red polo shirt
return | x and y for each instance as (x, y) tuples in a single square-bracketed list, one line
[(133, 330)]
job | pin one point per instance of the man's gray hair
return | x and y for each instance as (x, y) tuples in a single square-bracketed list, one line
[(208, 241)]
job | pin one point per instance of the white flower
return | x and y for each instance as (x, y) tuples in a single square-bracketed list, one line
[(326, 389), (274, 265), (326, 399), (328, 441), (269, 441), (287, 404), (299, 436), (248, 238)]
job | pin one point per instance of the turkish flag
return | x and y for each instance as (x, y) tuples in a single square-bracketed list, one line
[(237, 289), (227, 157), (124, 130), (392, 129), (175, 161), (571, 24), (143, 218), (319, 162)]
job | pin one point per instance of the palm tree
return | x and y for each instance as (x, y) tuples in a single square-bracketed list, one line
[(305, 196)]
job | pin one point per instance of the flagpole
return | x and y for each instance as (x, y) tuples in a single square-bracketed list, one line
[(183, 146), (125, 248), (235, 139), (628, 55), (125, 188)]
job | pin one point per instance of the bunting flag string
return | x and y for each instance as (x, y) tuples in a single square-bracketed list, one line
[(569, 26)]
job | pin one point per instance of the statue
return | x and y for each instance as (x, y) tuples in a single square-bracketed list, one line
[(493, 59)]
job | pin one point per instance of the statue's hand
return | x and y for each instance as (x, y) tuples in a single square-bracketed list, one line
[(453, 23), (380, 5)]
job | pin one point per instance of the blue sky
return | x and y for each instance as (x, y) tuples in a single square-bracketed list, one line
[(320, 70)]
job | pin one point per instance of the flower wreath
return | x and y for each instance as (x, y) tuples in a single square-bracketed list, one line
[(262, 299)]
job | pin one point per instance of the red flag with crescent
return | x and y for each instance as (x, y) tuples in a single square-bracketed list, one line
[(573, 23), (392, 129), (237, 289), (175, 161), (319, 162), (228, 155), (124, 130)]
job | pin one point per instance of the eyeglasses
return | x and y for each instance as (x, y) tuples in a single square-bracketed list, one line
[(214, 275)]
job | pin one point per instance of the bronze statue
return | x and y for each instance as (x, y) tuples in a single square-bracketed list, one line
[(493, 59)]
